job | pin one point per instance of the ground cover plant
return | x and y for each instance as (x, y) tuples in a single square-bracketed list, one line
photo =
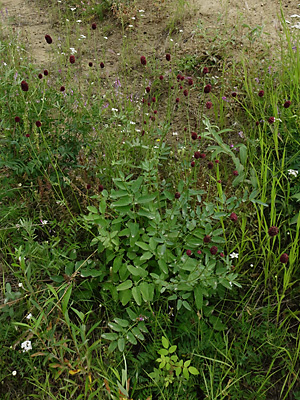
[(149, 210)]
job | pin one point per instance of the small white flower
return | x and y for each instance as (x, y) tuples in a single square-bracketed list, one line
[(79, 20), (83, 37), (141, 11), (251, 265), (20, 284), (132, 123), (234, 255), (73, 8), (171, 40), (293, 172), (114, 109), (132, 17), (175, 133), (73, 51), (105, 37), (14, 373), (29, 316), (130, 26), (44, 222), (26, 346)]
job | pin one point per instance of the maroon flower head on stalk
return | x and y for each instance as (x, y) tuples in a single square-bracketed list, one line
[(194, 135), (100, 188), (202, 155), (46, 72), (72, 59), (153, 99), (271, 120), (88, 186), (210, 165), (233, 94), (192, 164), (287, 104), (190, 82), (185, 92), (209, 105), (27, 135), (48, 39), (94, 26), (207, 239), (199, 252), (273, 231), (178, 77), (62, 89), (161, 77), (197, 154), (284, 258), (168, 57), (143, 60), (233, 217), (177, 100), (257, 123), (207, 88), (148, 89), (102, 65), (17, 119), (182, 78), (213, 250), (38, 124), (189, 253), (177, 195), (235, 173), (24, 86), (90, 64), (205, 70), (40, 76), (261, 93), (180, 87), (155, 111)]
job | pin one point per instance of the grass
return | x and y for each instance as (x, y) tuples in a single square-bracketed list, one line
[(140, 252)]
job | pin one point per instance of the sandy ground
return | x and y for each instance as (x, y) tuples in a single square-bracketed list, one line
[(30, 21)]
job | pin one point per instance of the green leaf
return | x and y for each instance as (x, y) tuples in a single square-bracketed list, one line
[(146, 256), (193, 371), (187, 363), (186, 373), (137, 333), (198, 294), (243, 154), (186, 305), (121, 344), (125, 296), (165, 342), (125, 285), (172, 348), (163, 266), (115, 327), (143, 245), (112, 346), (136, 293), (137, 184), (117, 263), (110, 336), (122, 322), (130, 337), (92, 209), (124, 201), (146, 199), (66, 298)]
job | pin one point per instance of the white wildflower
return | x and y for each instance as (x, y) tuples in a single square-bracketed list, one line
[(29, 316), (234, 255), (14, 373), (73, 51), (293, 172), (26, 346)]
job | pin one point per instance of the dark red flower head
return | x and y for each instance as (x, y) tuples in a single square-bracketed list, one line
[(182, 78), (213, 250), (40, 76), (205, 70), (90, 64), (271, 120), (153, 99), (210, 165), (88, 186), (192, 164), (177, 100), (72, 59), (100, 188), (287, 104), (17, 119), (235, 173), (62, 88), (233, 94), (257, 123), (206, 239), (48, 39), (102, 65), (189, 253), (194, 135), (94, 26), (161, 77), (197, 154), (261, 93), (143, 60), (38, 124), (284, 258), (177, 195), (190, 82), (233, 217), (178, 77), (148, 89), (168, 57), (209, 105), (24, 86), (273, 231), (46, 72), (202, 155), (207, 88), (185, 92)]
